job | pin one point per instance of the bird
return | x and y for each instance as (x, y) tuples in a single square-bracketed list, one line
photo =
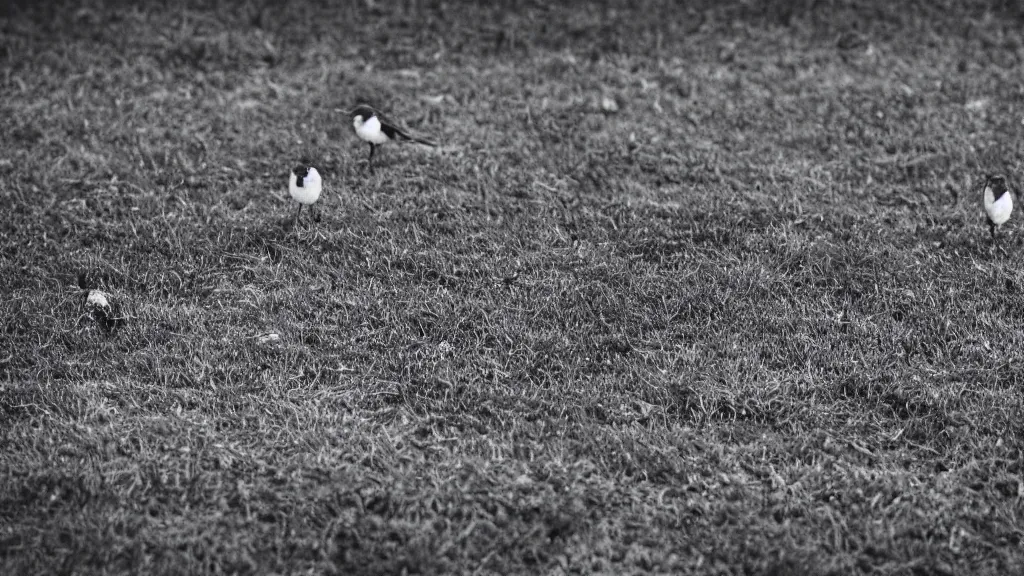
[(99, 305), (97, 300), (304, 185), (376, 129), (998, 203)]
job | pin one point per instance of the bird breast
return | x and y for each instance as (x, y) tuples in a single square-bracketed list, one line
[(369, 130), (998, 209), (308, 193), (97, 299)]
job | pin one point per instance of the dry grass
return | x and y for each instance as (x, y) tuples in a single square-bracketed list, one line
[(747, 323)]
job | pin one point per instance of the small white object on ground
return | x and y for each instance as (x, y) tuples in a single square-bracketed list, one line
[(97, 299), (271, 338)]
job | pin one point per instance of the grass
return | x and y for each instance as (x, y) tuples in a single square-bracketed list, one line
[(696, 289)]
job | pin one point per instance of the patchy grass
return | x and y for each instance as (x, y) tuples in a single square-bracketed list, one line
[(748, 323)]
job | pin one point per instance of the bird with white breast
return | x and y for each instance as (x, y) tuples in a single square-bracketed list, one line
[(304, 185), (998, 202), (375, 129)]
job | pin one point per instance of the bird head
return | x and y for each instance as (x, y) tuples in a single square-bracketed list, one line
[(997, 183), (300, 174), (361, 113)]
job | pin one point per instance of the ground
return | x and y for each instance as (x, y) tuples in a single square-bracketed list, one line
[(689, 289)]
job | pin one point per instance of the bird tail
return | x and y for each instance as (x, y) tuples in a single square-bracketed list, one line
[(397, 133), (424, 141), (417, 139)]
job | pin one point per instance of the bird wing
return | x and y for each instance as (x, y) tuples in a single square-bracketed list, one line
[(395, 133), (391, 131)]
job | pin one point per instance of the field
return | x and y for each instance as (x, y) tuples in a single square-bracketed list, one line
[(687, 288)]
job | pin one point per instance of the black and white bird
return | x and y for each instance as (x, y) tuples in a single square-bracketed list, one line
[(374, 128), (998, 202), (101, 306), (304, 185)]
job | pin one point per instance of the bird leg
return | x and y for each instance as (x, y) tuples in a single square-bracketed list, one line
[(295, 221), (373, 148), (992, 229)]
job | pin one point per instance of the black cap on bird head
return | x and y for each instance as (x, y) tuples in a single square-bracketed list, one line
[(361, 110), (300, 175), (997, 182)]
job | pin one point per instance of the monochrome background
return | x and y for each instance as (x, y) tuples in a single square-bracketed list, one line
[(686, 287)]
